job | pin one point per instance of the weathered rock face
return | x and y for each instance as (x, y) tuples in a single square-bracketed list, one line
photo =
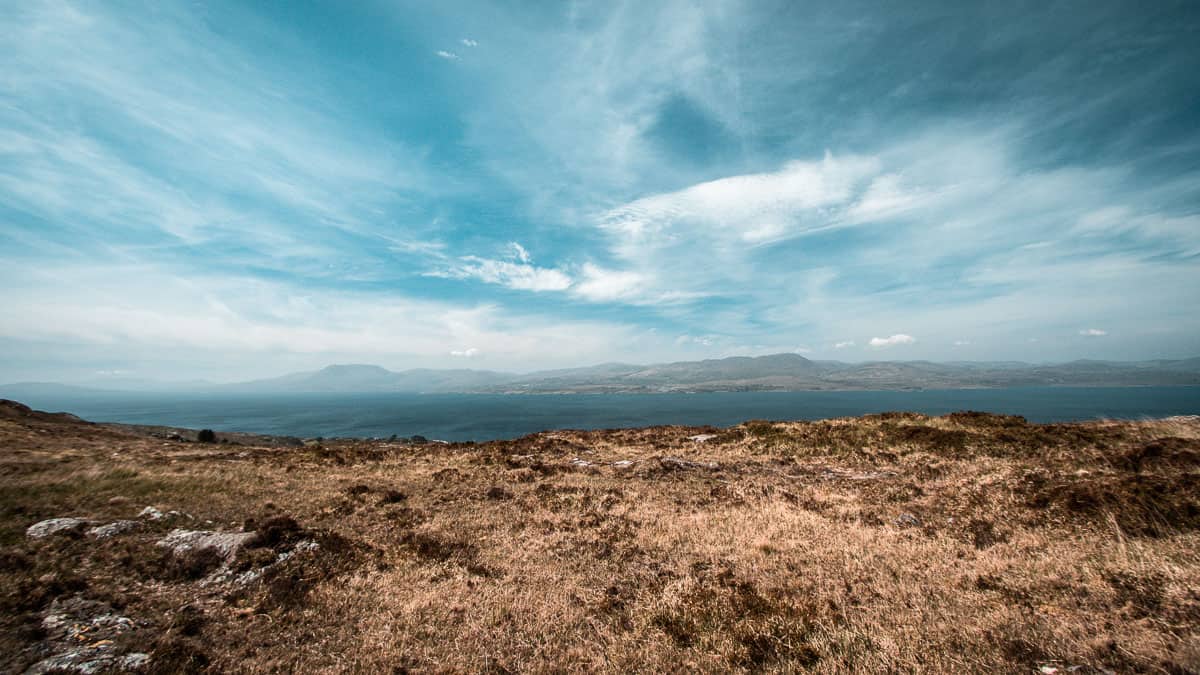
[(46, 528), (113, 529), (91, 659), (81, 634), (227, 544)]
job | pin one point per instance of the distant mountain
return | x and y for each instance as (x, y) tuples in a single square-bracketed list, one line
[(792, 372), (366, 378), (775, 372)]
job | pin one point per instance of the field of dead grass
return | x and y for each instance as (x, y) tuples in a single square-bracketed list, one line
[(888, 543)]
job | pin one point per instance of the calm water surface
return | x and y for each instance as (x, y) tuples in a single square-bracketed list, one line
[(490, 416)]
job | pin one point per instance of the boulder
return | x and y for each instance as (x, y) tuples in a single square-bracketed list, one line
[(227, 544), (113, 529), (46, 528)]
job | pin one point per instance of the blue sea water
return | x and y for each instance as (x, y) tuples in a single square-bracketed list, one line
[(481, 417)]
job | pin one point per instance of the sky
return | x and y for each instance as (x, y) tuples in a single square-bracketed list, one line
[(233, 190)]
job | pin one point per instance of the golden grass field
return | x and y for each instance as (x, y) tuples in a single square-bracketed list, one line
[(888, 543)]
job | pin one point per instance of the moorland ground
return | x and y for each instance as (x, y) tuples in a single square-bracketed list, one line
[(887, 543)]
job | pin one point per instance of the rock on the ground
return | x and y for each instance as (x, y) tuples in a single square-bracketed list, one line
[(152, 513), (182, 542), (100, 658), (700, 438), (113, 529), (79, 635), (46, 528), (908, 520)]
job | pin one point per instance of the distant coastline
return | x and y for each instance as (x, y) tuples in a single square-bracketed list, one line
[(776, 372), (483, 417)]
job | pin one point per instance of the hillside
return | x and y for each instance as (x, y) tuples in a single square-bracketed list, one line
[(889, 543), (775, 372)]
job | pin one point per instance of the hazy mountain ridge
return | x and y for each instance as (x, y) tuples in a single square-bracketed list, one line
[(775, 372), (793, 372)]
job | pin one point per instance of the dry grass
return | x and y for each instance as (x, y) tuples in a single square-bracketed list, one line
[(893, 543)]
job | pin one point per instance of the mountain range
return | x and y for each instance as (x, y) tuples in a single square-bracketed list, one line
[(779, 372)]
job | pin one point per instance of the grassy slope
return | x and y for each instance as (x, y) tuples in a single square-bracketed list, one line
[(887, 543)]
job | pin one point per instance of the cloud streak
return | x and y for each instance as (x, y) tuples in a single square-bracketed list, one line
[(892, 340)]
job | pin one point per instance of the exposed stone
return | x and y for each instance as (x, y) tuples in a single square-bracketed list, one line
[(99, 658), (113, 529), (227, 544), (152, 513), (70, 622), (700, 438), (908, 520), (46, 528)]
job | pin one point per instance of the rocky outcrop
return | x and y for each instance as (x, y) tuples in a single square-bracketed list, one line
[(52, 526)]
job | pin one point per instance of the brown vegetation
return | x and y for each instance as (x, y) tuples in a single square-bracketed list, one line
[(888, 543)]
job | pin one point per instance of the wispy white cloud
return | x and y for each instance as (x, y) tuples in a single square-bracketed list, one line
[(468, 42), (449, 56), (747, 209), (469, 352), (516, 271), (891, 341), (515, 275), (599, 284), (221, 153), (1093, 332), (844, 344), (519, 252)]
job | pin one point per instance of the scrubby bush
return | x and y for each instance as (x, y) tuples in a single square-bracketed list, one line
[(206, 436)]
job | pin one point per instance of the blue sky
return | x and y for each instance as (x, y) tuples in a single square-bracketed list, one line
[(229, 190)]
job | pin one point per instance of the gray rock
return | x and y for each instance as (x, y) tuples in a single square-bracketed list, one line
[(135, 661), (46, 528), (80, 636), (908, 520), (182, 542), (92, 659), (113, 529), (152, 513)]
